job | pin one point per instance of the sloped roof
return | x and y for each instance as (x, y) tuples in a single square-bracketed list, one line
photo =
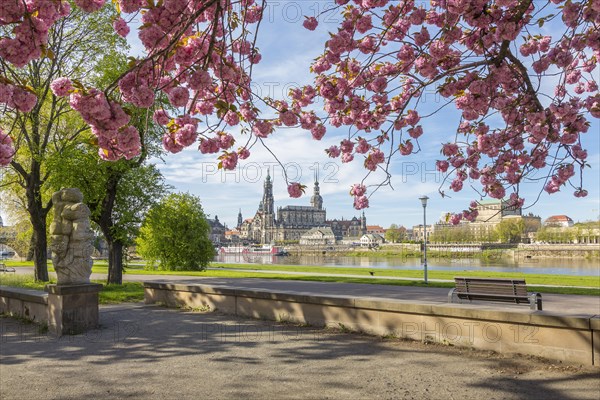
[(559, 218)]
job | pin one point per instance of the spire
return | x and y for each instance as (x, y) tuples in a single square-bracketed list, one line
[(316, 200), (363, 222), (268, 201)]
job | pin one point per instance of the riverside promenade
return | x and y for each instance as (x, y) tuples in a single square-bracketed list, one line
[(555, 303), (147, 351), (563, 304)]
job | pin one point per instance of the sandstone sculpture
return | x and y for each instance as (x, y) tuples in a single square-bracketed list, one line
[(71, 238)]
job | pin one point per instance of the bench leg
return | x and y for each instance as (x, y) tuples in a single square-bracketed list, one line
[(535, 301), (452, 296)]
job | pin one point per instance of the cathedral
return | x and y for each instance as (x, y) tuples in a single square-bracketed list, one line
[(290, 222)]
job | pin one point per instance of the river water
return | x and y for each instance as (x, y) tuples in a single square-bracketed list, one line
[(560, 266)]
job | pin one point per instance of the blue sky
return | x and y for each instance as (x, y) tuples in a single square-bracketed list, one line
[(287, 50)]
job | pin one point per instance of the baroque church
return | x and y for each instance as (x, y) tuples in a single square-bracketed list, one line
[(290, 222)]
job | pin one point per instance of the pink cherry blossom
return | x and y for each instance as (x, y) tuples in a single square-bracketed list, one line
[(229, 160), (23, 100), (295, 189), (361, 202), (178, 96), (243, 153), (61, 87), (89, 5), (406, 148), (161, 117), (121, 27), (310, 23), (6, 149), (358, 190), (231, 118), (318, 132), (333, 151)]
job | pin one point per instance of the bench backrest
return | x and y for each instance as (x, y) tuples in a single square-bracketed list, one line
[(515, 287)]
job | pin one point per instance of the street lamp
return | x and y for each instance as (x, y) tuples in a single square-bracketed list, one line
[(424, 202)]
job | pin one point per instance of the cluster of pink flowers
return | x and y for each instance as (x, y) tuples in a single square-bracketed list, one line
[(374, 72), (6, 149), (107, 119), (469, 215), (359, 191), (295, 189), (31, 20), (18, 97), (464, 54), (204, 72)]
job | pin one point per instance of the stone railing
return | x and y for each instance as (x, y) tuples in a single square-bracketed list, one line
[(573, 339)]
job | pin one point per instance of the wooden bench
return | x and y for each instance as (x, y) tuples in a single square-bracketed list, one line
[(489, 289), (4, 268)]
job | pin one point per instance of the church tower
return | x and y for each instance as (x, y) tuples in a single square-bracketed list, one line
[(240, 221), (268, 219), (316, 200), (363, 223)]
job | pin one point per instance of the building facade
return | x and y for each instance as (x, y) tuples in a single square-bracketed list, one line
[(289, 223), (483, 229), (217, 230), (317, 237), (559, 221)]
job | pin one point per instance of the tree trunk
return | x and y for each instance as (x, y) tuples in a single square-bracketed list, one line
[(31, 249), (37, 214), (40, 254), (115, 262), (106, 224)]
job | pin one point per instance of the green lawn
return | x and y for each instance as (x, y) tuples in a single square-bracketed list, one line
[(110, 294)]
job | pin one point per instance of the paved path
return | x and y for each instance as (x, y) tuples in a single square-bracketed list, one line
[(148, 352), (555, 303)]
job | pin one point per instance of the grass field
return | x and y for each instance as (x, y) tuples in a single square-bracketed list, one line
[(110, 294)]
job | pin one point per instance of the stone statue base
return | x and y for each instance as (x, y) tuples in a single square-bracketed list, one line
[(72, 309)]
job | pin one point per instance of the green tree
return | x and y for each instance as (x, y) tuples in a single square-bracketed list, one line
[(118, 193), (554, 234), (395, 234), (175, 235), (510, 230), (21, 242), (75, 45)]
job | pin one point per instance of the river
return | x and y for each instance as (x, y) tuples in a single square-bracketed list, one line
[(560, 266)]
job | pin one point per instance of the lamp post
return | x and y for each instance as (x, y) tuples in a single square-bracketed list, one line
[(424, 202)]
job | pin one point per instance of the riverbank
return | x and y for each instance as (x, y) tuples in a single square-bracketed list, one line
[(483, 251)]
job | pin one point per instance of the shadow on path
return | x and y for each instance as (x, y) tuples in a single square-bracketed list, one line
[(151, 352)]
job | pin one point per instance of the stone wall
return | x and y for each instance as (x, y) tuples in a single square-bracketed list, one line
[(25, 303), (573, 339), (66, 309)]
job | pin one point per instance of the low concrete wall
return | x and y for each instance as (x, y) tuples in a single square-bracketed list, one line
[(25, 303), (567, 338)]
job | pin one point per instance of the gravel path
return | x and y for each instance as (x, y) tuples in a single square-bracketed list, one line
[(148, 352)]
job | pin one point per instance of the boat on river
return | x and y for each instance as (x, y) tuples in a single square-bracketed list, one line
[(254, 250)]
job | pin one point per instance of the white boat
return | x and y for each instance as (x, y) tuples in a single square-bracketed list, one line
[(232, 250), (254, 250)]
